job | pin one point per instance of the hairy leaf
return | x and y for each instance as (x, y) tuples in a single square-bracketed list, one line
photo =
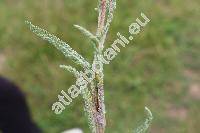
[(70, 69), (59, 44), (87, 33), (143, 128)]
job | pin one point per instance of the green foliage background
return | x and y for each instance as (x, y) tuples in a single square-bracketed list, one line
[(159, 69)]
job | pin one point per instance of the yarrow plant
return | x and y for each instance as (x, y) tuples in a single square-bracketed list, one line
[(93, 92)]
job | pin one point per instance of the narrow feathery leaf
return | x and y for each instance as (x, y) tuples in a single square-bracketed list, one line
[(59, 44), (87, 33), (87, 97), (70, 69), (111, 5), (88, 108), (143, 128)]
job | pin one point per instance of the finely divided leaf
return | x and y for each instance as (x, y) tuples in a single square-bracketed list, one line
[(70, 69), (87, 33), (143, 128), (111, 7), (59, 44)]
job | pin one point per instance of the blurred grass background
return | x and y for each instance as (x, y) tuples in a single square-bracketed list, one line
[(159, 69)]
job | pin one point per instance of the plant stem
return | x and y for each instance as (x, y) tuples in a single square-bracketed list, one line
[(98, 89)]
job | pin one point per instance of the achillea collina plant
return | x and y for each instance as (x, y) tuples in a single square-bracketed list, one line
[(93, 94)]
